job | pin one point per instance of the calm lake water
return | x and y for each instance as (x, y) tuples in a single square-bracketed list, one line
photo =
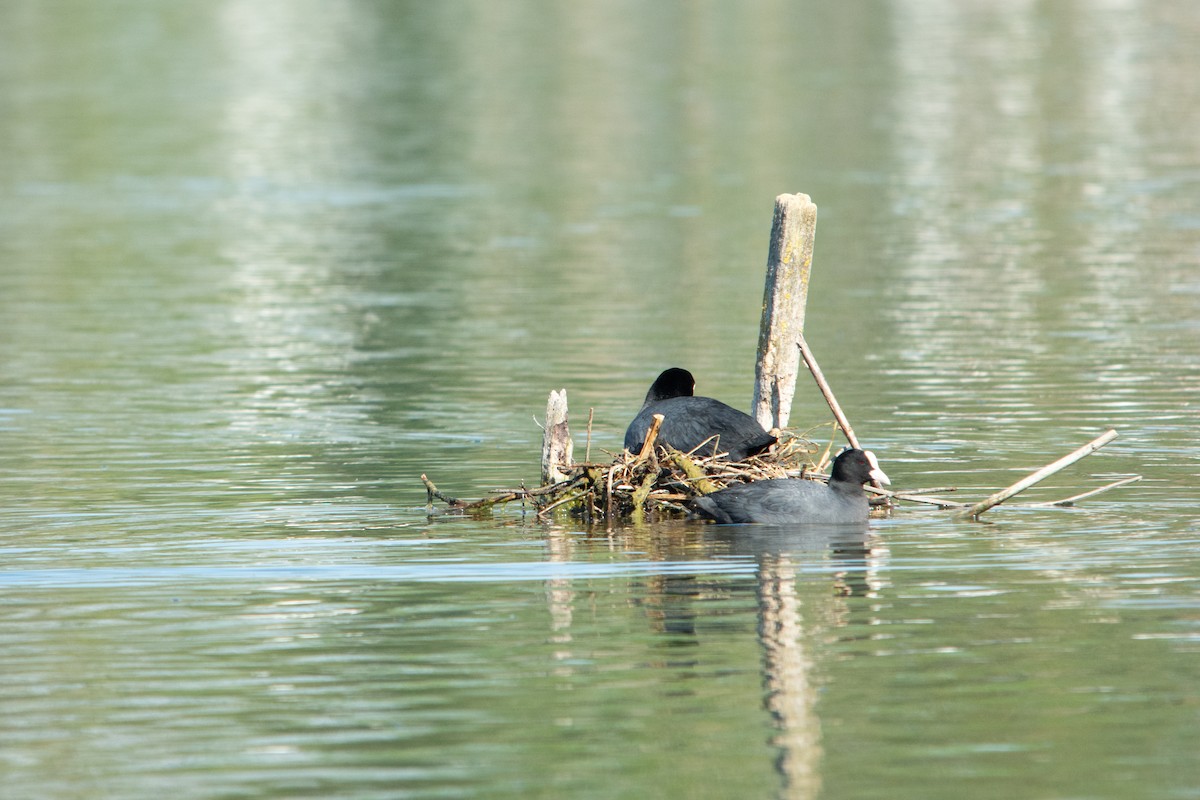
[(263, 263)]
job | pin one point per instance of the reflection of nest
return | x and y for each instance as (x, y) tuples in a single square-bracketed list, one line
[(650, 485)]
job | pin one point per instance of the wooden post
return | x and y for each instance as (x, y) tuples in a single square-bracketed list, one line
[(556, 440), (789, 261)]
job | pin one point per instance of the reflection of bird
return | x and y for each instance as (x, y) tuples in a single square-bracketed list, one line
[(782, 501), (688, 421)]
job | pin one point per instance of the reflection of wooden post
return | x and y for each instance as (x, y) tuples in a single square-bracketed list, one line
[(556, 440), (791, 692), (789, 262)]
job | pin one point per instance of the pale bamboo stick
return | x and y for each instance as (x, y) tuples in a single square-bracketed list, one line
[(1039, 476), (1070, 501), (811, 361)]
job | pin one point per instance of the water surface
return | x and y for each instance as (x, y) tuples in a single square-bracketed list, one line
[(263, 264)]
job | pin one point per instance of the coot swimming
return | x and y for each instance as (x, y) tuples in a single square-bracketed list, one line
[(688, 421), (781, 501)]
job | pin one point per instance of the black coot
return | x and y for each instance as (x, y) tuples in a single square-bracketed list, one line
[(782, 501), (688, 421)]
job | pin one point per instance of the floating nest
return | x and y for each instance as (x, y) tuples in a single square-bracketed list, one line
[(649, 486)]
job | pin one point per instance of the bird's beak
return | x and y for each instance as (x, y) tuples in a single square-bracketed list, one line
[(876, 473)]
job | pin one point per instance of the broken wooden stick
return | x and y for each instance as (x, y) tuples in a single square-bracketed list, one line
[(587, 451), (651, 435), (840, 416), (432, 491), (556, 440), (811, 362), (1073, 499), (789, 263), (923, 496), (999, 497), (569, 498)]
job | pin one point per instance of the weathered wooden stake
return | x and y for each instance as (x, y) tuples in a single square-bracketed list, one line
[(1036, 477), (789, 262), (556, 440)]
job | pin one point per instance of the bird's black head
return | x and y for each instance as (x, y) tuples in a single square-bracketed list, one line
[(674, 382), (856, 467)]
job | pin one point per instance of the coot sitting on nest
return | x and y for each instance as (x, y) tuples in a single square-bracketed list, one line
[(782, 501), (688, 421)]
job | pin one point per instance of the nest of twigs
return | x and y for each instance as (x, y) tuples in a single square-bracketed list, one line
[(653, 485)]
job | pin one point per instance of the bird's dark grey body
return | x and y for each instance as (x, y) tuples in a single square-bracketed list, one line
[(784, 501), (689, 421)]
